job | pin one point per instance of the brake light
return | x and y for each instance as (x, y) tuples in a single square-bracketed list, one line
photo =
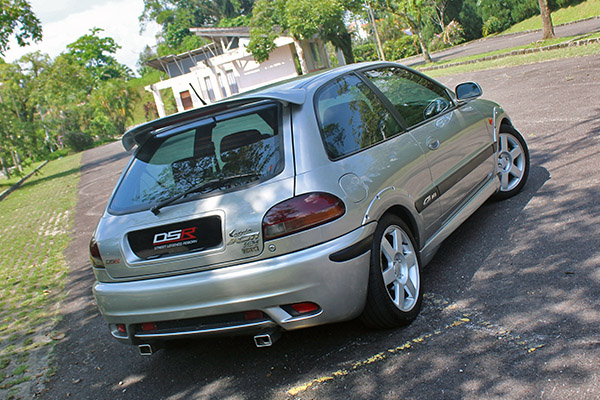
[(95, 256), (300, 213)]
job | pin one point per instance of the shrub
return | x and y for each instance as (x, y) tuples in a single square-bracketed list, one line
[(78, 141), (492, 25), (400, 48), (365, 52)]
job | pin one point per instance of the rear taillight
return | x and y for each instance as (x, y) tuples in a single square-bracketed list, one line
[(301, 213), (95, 254)]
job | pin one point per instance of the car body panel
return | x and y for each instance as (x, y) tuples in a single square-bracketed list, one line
[(433, 174)]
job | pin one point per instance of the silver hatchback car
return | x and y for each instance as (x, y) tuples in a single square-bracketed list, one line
[(308, 202)]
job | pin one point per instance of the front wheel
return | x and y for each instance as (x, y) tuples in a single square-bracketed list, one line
[(513, 162), (394, 293)]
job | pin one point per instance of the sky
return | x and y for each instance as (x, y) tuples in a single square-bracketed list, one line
[(64, 21)]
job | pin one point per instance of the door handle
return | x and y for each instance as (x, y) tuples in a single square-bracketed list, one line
[(432, 142)]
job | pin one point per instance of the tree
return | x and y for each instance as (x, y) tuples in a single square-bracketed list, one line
[(115, 102), (548, 28), (301, 19), (97, 54), (16, 18), (177, 16), (415, 13), (438, 14)]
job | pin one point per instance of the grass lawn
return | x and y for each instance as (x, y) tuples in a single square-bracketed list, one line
[(538, 44), (7, 183), (587, 9), (511, 61), (35, 225)]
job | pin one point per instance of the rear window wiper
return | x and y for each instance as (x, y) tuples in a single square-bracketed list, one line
[(212, 184)]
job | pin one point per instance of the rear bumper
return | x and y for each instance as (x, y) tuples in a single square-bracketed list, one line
[(309, 275)]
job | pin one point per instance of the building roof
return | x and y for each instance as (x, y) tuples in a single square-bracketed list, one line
[(161, 62), (240, 31)]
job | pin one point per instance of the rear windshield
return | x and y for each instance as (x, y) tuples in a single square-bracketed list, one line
[(222, 153)]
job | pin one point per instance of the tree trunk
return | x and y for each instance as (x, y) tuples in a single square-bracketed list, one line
[(4, 169), (548, 31), (300, 52), (424, 50)]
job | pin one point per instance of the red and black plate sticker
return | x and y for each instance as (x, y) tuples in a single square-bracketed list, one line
[(181, 237)]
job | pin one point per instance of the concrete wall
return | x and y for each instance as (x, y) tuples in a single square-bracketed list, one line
[(248, 74)]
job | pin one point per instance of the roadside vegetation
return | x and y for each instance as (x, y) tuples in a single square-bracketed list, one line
[(535, 45), (576, 12), (35, 227), (512, 61)]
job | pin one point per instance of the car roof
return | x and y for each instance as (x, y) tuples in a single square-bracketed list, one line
[(293, 91)]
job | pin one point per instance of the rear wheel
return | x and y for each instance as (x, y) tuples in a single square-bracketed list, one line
[(394, 292), (513, 162)]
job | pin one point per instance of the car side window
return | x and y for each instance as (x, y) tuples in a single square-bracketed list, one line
[(351, 117), (415, 97)]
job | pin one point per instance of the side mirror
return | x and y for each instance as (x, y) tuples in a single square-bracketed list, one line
[(468, 90)]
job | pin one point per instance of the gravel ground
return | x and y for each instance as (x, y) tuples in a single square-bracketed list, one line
[(512, 298)]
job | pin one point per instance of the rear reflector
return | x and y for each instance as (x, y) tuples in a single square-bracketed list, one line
[(149, 326), (121, 328), (251, 315), (304, 308), (300, 213)]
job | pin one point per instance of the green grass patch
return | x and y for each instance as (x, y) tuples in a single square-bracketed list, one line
[(537, 44), (35, 225), (587, 9), (512, 61), (5, 183)]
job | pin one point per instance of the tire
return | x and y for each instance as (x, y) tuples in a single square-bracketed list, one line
[(513, 162), (395, 293)]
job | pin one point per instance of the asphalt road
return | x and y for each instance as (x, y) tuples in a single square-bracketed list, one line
[(512, 304), (506, 42)]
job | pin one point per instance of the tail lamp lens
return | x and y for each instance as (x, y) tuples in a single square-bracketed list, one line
[(301, 213), (95, 254)]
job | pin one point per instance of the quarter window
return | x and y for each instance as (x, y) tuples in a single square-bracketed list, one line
[(415, 97), (351, 117)]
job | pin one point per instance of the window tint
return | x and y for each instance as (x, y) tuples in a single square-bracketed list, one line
[(238, 149), (351, 117), (415, 97)]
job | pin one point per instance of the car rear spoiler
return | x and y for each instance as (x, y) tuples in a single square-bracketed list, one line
[(141, 133)]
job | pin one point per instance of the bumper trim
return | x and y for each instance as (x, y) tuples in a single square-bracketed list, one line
[(357, 249), (242, 328)]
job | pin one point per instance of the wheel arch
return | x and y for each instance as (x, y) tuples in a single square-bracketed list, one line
[(405, 215)]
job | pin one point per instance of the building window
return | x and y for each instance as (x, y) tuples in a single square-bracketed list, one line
[(186, 100), (233, 86), (222, 84), (209, 89)]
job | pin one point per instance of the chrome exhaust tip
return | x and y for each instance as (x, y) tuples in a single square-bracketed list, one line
[(266, 339), (146, 349)]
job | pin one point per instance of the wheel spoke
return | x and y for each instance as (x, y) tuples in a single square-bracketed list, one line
[(387, 250), (503, 143), (410, 288), (516, 152), (504, 176), (411, 259), (516, 172), (398, 295), (388, 275)]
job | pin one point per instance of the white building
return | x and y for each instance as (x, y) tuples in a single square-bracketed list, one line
[(224, 67)]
